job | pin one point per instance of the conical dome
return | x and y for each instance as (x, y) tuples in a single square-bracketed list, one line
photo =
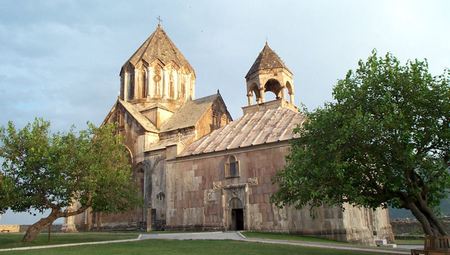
[(157, 72), (159, 47), (267, 59)]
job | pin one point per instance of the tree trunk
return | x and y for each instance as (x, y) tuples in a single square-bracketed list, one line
[(37, 227), (434, 221), (99, 222), (430, 223)]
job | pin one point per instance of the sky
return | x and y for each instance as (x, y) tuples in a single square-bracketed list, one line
[(60, 60)]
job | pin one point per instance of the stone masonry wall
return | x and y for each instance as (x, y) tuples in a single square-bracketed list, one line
[(199, 196)]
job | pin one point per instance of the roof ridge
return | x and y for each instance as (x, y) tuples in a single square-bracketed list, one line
[(148, 43), (205, 97)]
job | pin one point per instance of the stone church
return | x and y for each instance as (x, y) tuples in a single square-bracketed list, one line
[(197, 169)]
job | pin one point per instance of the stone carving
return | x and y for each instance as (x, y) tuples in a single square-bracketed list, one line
[(211, 195), (253, 181), (217, 185)]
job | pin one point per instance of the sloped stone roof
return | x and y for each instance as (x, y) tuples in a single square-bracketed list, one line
[(139, 117), (189, 114), (261, 127), (267, 59), (162, 144), (159, 47)]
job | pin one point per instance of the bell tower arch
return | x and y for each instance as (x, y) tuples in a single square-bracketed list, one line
[(269, 74)]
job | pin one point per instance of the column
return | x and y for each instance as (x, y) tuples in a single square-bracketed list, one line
[(261, 95), (250, 99)]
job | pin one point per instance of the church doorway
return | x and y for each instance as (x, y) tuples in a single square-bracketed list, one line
[(237, 219), (237, 214)]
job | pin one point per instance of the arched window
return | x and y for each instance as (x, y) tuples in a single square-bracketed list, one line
[(171, 89), (144, 83), (275, 87), (183, 90), (120, 121), (232, 167), (131, 87), (160, 196)]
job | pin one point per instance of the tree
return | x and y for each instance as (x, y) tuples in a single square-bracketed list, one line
[(383, 141), (43, 171)]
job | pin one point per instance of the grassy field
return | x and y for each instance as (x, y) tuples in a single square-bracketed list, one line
[(284, 236), (197, 247), (14, 239), (409, 241)]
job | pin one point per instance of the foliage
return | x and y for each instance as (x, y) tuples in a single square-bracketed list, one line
[(42, 171), (383, 141)]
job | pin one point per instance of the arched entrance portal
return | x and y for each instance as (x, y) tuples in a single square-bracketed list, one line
[(237, 214)]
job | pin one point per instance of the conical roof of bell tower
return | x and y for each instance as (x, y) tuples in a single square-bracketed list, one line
[(159, 47), (267, 59)]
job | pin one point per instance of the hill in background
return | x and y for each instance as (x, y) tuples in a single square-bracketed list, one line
[(403, 213)]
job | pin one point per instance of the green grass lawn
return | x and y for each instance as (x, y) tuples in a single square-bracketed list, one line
[(197, 247), (14, 239), (284, 236), (409, 241)]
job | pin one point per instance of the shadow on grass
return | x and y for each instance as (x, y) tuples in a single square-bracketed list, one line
[(12, 240)]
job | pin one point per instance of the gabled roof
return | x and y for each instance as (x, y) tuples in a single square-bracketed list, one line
[(159, 47), (267, 59), (189, 114), (261, 127), (139, 117)]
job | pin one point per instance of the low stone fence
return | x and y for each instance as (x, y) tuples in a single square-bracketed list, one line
[(55, 228), (411, 227), (9, 228)]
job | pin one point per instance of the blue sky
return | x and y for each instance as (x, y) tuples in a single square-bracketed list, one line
[(61, 59)]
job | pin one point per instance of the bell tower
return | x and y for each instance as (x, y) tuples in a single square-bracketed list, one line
[(157, 73), (269, 74)]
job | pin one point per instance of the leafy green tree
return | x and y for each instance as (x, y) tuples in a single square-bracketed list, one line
[(43, 171), (383, 141)]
